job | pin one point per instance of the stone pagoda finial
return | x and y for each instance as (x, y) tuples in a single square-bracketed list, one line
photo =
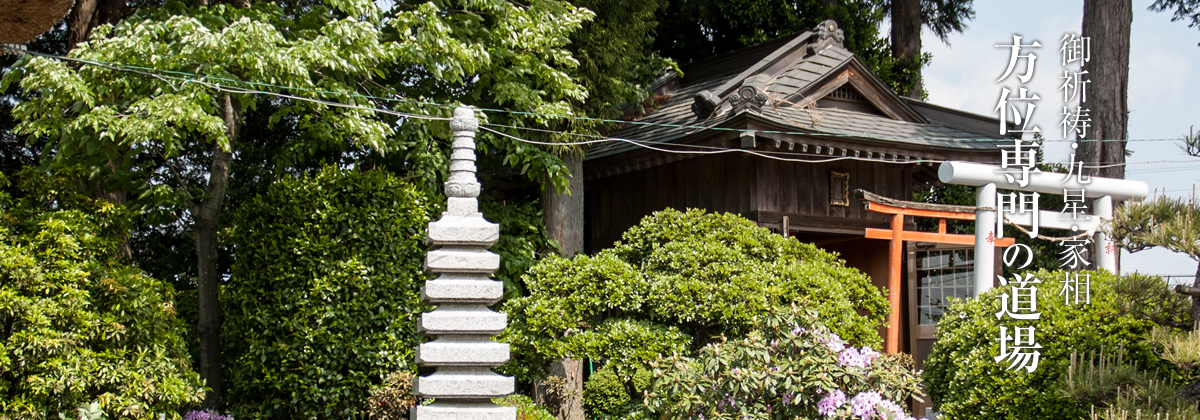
[(462, 351)]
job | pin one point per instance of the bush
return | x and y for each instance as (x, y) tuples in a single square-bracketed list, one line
[(965, 381), (675, 283), (789, 367), (526, 408), (77, 327), (324, 294)]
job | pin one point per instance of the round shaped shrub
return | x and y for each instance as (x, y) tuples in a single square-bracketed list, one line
[(965, 381), (324, 294), (604, 392), (676, 282)]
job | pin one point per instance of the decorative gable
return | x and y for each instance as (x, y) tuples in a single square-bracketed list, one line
[(854, 88)]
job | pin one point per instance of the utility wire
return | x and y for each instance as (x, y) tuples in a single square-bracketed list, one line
[(198, 78), (173, 77)]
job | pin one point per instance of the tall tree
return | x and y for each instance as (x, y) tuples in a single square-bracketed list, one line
[(139, 132), (942, 17), (616, 66), (1107, 23), (695, 29)]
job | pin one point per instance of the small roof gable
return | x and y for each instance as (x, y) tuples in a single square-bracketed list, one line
[(808, 83)]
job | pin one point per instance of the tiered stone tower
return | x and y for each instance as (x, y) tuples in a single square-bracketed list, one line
[(462, 324)]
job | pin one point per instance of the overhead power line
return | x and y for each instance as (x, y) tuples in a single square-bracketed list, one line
[(173, 78)]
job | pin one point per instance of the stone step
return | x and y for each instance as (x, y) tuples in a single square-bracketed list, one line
[(463, 383), (461, 319), (463, 411), (451, 288), (451, 260), (451, 352)]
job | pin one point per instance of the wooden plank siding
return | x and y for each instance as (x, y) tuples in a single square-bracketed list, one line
[(761, 189)]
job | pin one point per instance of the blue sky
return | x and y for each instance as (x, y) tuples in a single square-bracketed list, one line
[(1164, 55)]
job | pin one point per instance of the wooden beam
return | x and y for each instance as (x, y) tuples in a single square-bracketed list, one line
[(941, 238), (938, 214)]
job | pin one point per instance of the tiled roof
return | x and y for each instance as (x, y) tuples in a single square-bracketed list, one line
[(783, 88)]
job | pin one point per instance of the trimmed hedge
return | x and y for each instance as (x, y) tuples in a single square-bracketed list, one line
[(324, 294)]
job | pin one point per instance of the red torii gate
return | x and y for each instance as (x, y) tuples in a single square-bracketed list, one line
[(898, 209)]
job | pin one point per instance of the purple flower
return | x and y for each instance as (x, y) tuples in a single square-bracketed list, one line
[(851, 358), (891, 410), (835, 343), (863, 404), (871, 355), (828, 406), (206, 415), (787, 398)]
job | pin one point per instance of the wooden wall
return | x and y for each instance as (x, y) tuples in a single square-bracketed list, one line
[(763, 190), (721, 183), (801, 191)]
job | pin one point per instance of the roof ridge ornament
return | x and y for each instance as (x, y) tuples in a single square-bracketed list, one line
[(704, 103), (751, 96), (825, 35)]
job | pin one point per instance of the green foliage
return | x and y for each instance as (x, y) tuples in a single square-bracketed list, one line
[(392, 399), (605, 392), (945, 17), (1185, 10), (523, 240), (966, 382), (1146, 297), (1167, 222), (77, 327), (675, 283), (692, 30), (526, 408), (1115, 389), (615, 52), (781, 370), (324, 294)]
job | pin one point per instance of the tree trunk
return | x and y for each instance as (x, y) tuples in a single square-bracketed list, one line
[(208, 284), (88, 14), (1107, 23), (563, 214), (906, 39), (1196, 299)]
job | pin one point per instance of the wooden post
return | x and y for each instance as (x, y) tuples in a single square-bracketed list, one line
[(896, 260)]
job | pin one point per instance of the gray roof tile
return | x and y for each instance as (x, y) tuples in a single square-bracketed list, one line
[(674, 119)]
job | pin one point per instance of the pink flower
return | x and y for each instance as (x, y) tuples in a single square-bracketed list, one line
[(851, 358), (828, 406), (863, 404)]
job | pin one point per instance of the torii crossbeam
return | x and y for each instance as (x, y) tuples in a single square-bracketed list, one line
[(899, 209)]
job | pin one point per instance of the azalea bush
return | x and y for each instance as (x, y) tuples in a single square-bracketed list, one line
[(966, 382), (792, 366), (677, 282)]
